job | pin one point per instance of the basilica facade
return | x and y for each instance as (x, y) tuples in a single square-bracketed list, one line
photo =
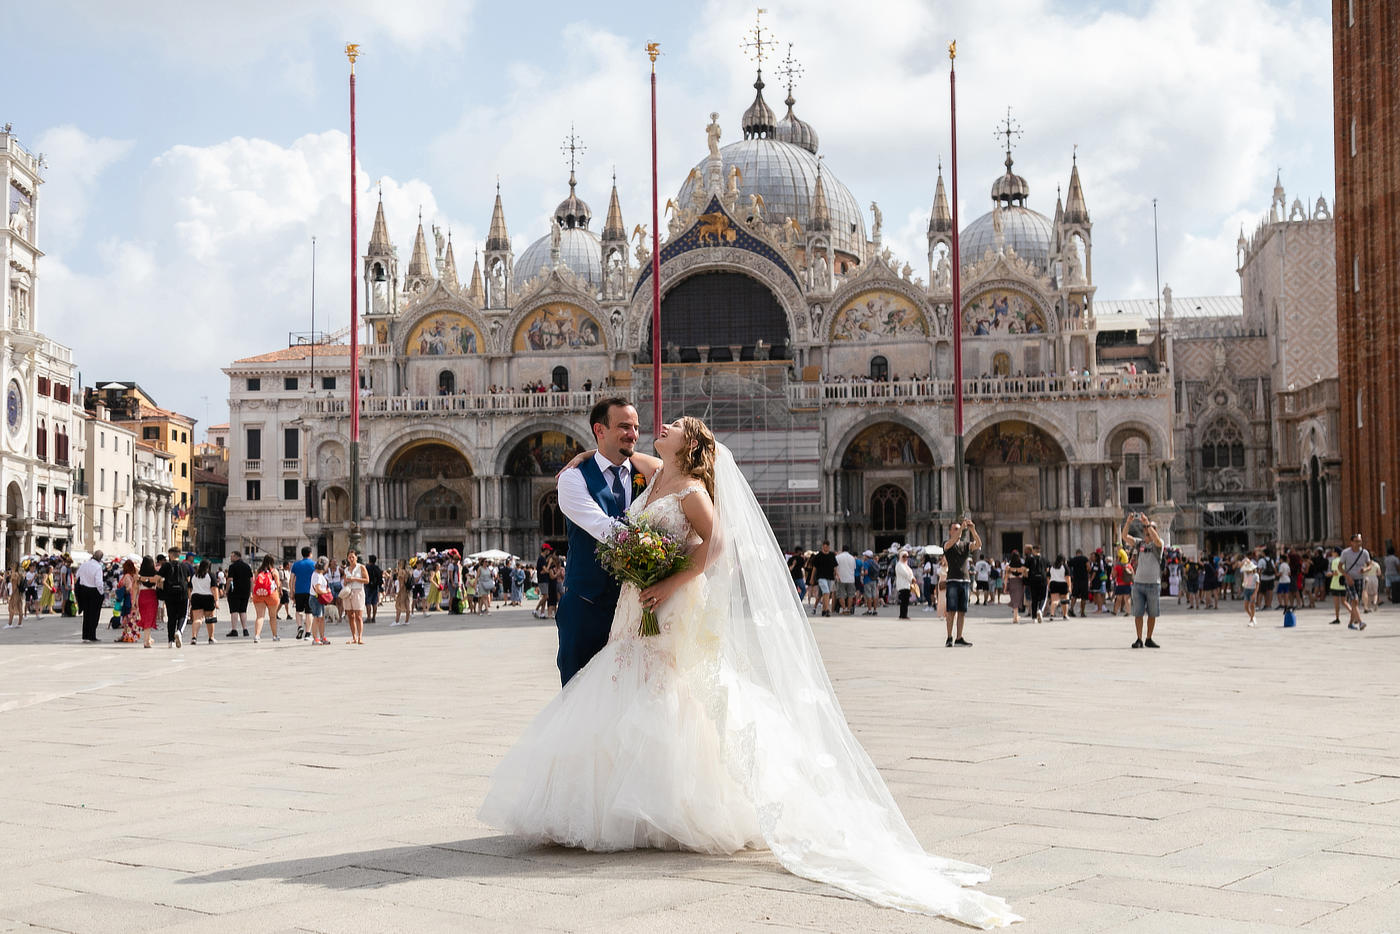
[(824, 361)]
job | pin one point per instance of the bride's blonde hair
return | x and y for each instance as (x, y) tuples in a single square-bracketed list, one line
[(698, 456)]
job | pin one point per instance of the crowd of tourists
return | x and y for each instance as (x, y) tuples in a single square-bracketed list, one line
[(1130, 576), (181, 595)]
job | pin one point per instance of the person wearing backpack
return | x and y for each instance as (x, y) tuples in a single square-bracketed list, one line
[(174, 593), (266, 594)]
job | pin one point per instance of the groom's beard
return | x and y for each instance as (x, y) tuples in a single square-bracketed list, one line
[(626, 450)]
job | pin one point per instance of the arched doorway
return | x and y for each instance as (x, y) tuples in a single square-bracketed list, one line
[(447, 383), (14, 528), (879, 369), (559, 379), (1016, 475), (425, 500), (531, 466), (889, 516), (725, 316), (552, 528), (887, 488)]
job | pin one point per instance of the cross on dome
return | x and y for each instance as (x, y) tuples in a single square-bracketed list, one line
[(1010, 129), (791, 70), (573, 147), (757, 47)]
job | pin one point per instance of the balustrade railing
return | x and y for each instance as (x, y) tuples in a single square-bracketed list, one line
[(505, 402), (977, 389)]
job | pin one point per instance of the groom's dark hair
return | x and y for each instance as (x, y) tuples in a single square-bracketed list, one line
[(599, 415)]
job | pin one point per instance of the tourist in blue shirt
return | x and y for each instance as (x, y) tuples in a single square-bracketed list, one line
[(301, 589)]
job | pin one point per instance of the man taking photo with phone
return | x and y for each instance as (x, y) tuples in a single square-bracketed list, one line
[(1147, 575)]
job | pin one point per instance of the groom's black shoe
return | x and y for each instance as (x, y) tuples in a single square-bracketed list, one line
[(961, 641), (1137, 644), (949, 643)]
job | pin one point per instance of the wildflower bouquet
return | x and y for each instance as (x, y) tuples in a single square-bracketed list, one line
[(641, 554)]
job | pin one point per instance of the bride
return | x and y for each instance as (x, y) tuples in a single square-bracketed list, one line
[(723, 732)]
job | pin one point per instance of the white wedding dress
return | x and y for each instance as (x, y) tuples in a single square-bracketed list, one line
[(723, 733)]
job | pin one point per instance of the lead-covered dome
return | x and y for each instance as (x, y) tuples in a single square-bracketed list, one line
[(785, 175), (580, 250), (1027, 232)]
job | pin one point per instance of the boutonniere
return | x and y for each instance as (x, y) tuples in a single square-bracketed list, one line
[(639, 482)]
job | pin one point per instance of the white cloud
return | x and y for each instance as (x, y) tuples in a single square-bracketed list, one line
[(216, 264), (74, 160), (221, 35)]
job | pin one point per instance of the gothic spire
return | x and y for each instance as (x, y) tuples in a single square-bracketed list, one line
[(418, 266), (496, 237), (449, 266), (613, 228), (476, 291), (821, 216), (379, 244), (1076, 211), (941, 221)]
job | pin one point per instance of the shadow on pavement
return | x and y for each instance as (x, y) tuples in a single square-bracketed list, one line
[(491, 857)]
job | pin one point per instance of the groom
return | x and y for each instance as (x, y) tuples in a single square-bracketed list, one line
[(594, 496)]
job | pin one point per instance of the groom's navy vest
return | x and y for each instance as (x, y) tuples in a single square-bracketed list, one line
[(583, 575)]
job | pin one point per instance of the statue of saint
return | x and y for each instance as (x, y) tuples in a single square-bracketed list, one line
[(879, 222), (712, 135)]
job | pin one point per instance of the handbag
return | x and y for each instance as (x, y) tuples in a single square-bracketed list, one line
[(325, 597)]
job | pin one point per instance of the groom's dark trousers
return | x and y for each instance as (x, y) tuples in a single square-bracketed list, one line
[(590, 596)]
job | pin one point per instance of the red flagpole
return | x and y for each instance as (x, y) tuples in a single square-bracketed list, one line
[(352, 52), (653, 50), (960, 494)]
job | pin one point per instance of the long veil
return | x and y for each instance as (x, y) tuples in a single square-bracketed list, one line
[(823, 808)]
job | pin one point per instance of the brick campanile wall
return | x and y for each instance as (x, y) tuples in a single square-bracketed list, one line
[(1366, 113)]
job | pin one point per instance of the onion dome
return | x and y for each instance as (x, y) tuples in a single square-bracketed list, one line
[(759, 120), (792, 129), (1010, 188), (573, 211)]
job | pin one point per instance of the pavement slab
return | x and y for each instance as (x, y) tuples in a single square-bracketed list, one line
[(1235, 781)]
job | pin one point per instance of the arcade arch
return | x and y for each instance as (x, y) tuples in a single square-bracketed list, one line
[(887, 487), (721, 316)]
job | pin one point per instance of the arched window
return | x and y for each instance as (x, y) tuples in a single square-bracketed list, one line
[(41, 441), (889, 509), (1001, 363), (551, 518), (439, 506), (447, 383), (559, 377), (1222, 446), (879, 369)]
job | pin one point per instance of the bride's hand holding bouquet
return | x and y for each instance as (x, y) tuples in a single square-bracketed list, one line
[(638, 553)]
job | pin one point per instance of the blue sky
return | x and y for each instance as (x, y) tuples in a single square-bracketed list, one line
[(194, 148)]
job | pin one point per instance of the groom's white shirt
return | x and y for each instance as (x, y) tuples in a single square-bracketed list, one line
[(583, 510)]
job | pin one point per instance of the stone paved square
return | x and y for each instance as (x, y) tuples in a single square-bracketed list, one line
[(1235, 780)]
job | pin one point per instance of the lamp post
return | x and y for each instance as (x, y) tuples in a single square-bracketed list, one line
[(352, 51), (653, 50), (960, 495)]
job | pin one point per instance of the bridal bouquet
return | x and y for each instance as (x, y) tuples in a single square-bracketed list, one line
[(640, 554)]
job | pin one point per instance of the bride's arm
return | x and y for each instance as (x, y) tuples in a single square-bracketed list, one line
[(646, 464), (701, 513)]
